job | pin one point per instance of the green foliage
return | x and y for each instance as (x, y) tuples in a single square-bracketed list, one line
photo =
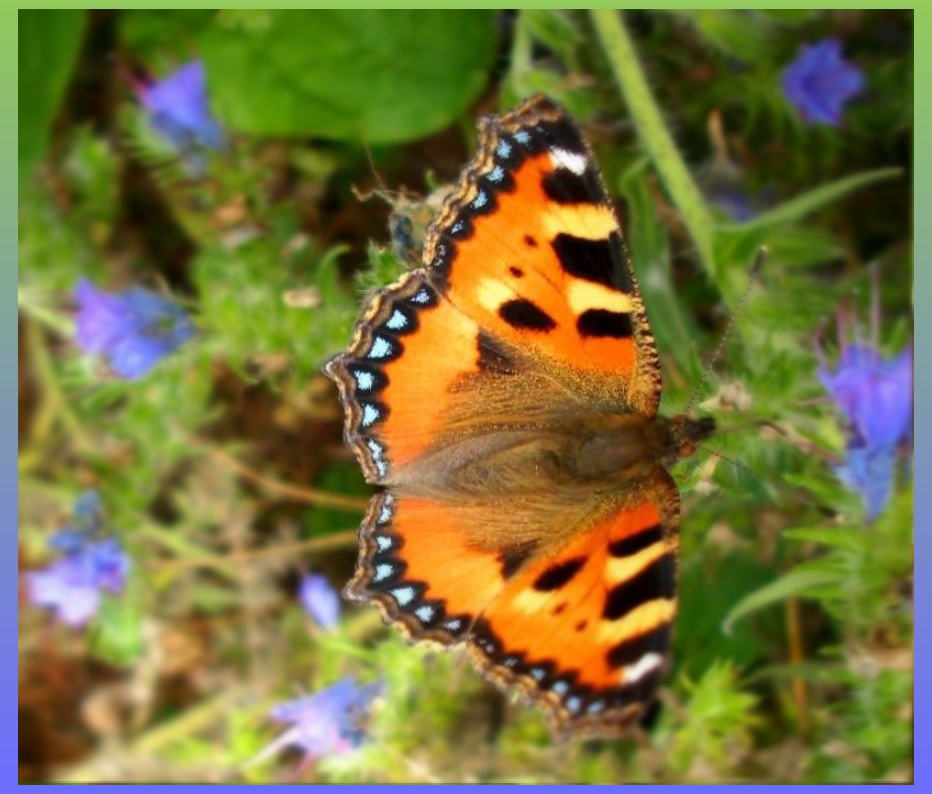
[(117, 634), (718, 723), (48, 46), (222, 470), (370, 77)]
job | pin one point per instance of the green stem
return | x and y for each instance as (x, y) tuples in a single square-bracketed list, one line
[(653, 133), (165, 734), (54, 404)]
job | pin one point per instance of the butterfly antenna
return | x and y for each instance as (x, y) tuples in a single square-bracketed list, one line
[(759, 260), (738, 465), (372, 167)]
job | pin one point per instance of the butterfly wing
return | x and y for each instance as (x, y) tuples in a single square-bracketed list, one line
[(529, 247), (583, 629)]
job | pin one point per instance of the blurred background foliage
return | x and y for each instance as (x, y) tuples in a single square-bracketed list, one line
[(249, 200)]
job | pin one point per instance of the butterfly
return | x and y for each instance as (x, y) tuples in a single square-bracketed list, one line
[(504, 396)]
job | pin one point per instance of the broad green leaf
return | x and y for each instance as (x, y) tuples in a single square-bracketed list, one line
[(48, 47), (373, 77), (795, 582)]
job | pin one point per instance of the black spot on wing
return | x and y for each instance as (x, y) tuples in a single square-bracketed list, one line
[(522, 314), (561, 133), (625, 547), (512, 559), (557, 576), (632, 649), (530, 241), (604, 323), (564, 187), (656, 580), (601, 261), (517, 272)]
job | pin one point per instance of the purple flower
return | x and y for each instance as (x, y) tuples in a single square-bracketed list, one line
[(319, 600), (819, 82), (326, 723), (869, 472), (72, 585), (133, 329), (735, 204), (875, 397), (178, 109)]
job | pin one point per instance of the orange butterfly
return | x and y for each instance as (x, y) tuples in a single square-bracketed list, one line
[(504, 396)]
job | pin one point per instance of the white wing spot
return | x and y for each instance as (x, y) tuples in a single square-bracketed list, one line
[(382, 572), (370, 415), (561, 687), (497, 174), (503, 149), (424, 613), (646, 664), (571, 161), (384, 542), (403, 595), (364, 380), (397, 321), (381, 348), (522, 137)]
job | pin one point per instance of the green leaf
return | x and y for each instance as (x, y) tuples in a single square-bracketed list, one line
[(48, 47), (649, 247), (373, 77), (797, 208), (736, 33), (709, 588), (803, 246), (836, 537), (795, 582), (739, 242), (152, 31)]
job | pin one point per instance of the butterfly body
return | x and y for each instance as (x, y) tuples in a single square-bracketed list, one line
[(504, 397)]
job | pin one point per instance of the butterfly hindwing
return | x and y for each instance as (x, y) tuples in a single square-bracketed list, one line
[(582, 628), (586, 632)]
